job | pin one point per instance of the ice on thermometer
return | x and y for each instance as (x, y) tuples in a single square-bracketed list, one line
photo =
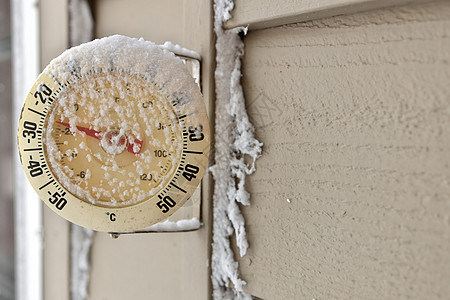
[(112, 138), (106, 119)]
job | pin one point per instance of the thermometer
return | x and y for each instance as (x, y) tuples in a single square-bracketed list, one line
[(114, 134)]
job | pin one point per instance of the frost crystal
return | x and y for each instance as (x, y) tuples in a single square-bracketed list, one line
[(181, 225), (234, 140)]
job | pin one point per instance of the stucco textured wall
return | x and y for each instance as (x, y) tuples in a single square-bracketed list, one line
[(351, 198)]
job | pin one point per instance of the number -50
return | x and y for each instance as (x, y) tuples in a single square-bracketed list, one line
[(166, 204)]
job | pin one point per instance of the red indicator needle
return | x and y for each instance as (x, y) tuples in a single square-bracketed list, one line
[(135, 147), (90, 132)]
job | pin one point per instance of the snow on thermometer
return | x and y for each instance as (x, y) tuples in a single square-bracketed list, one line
[(114, 134)]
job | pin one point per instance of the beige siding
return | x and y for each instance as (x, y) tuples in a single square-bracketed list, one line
[(351, 197), (54, 39), (154, 20), (162, 266)]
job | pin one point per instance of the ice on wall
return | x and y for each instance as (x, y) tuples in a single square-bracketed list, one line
[(178, 50), (81, 22), (81, 243), (172, 226), (234, 141)]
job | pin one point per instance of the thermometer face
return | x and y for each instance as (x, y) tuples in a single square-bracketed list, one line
[(114, 135)]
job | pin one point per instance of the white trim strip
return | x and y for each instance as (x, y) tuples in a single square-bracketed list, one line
[(28, 209)]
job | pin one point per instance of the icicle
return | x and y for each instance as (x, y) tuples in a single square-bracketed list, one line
[(234, 141), (81, 243), (81, 22)]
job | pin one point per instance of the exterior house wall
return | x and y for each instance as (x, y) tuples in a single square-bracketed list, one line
[(351, 197)]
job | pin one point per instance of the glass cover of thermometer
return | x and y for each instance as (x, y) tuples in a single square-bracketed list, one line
[(114, 134)]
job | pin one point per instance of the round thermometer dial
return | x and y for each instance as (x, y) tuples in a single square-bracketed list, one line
[(114, 134)]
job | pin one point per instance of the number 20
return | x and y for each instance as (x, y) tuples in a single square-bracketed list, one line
[(42, 89)]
